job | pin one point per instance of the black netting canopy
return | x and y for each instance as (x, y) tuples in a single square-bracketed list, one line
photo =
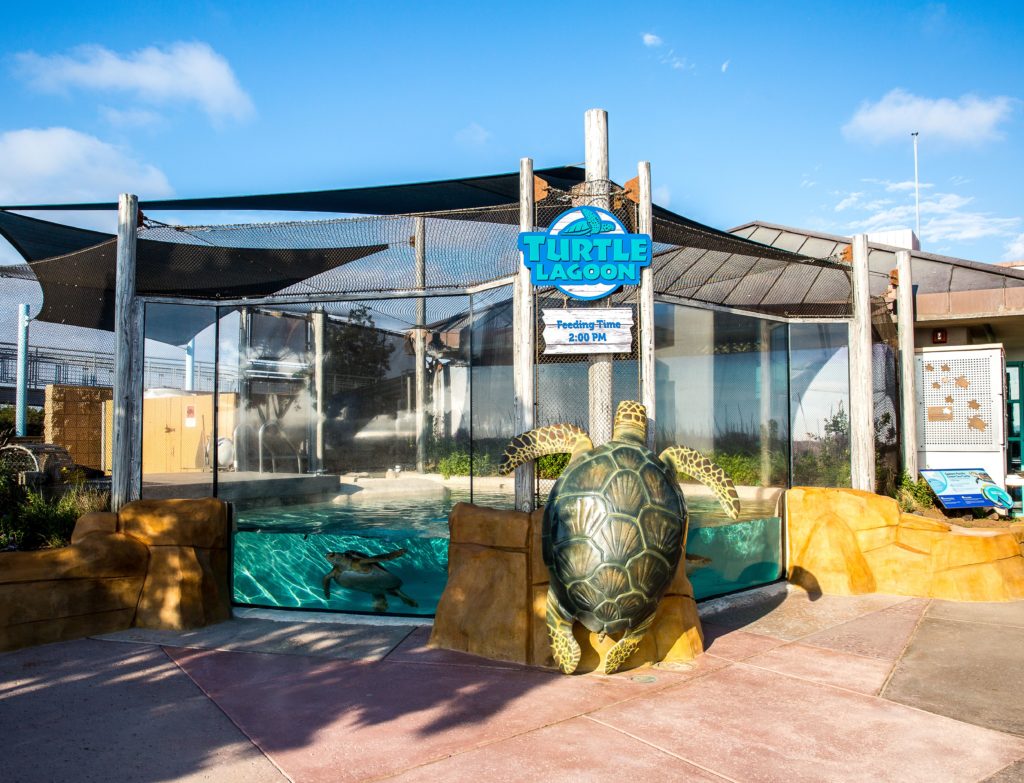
[(471, 230)]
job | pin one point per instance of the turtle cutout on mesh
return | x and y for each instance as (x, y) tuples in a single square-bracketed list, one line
[(614, 529)]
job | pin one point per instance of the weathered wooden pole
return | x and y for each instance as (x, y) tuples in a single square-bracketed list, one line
[(319, 320), (126, 470), (420, 341), (862, 409), (648, 379), (599, 374), (523, 339), (21, 388), (908, 374)]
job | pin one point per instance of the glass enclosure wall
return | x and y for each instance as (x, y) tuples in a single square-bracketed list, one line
[(345, 432), (820, 400), (177, 407), (722, 383)]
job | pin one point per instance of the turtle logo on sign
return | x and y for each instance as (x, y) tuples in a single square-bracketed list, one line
[(586, 254)]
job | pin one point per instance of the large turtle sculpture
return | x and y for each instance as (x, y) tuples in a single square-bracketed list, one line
[(614, 529)]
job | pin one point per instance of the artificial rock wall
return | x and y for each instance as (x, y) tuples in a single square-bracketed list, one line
[(156, 564)]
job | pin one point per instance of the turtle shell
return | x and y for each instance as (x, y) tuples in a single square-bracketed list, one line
[(613, 535)]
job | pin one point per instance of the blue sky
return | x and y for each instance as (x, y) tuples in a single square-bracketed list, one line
[(797, 114)]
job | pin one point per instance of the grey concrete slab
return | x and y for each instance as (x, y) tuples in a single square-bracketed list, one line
[(968, 671), (796, 613), (1011, 774), (88, 711), (882, 635), (334, 641), (1009, 613)]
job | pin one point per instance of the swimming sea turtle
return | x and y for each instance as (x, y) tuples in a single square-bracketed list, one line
[(360, 571), (614, 528)]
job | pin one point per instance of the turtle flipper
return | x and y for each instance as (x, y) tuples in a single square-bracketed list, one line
[(380, 602), (564, 646), (625, 647), (554, 439), (696, 465), (403, 597), (385, 556), (327, 585)]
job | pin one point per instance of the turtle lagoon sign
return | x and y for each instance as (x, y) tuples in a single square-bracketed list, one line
[(586, 254)]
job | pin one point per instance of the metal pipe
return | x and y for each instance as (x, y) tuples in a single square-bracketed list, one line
[(21, 393)]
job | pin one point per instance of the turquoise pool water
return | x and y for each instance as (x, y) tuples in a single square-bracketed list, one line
[(279, 557)]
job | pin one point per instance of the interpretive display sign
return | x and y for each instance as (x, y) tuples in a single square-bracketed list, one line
[(586, 253), (590, 330), (966, 488)]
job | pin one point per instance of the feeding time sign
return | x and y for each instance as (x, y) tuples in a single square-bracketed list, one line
[(588, 330), (586, 253)]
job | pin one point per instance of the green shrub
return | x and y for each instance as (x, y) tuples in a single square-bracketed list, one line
[(457, 463), (914, 495), (550, 466)]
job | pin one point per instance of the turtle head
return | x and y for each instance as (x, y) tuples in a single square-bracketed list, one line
[(630, 422)]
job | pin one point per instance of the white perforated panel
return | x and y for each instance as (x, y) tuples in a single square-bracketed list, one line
[(958, 401)]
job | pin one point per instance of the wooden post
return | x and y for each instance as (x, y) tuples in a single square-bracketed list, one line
[(319, 335), (420, 342), (126, 470), (523, 340), (599, 374), (648, 379), (862, 414), (908, 375)]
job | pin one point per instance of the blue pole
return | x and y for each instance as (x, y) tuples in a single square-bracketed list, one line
[(190, 365), (21, 394)]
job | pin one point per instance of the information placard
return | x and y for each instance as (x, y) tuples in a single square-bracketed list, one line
[(966, 488), (589, 330)]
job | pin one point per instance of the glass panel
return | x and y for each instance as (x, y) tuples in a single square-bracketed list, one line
[(722, 388), (820, 404), (1013, 382), (177, 408), (493, 400), (351, 439)]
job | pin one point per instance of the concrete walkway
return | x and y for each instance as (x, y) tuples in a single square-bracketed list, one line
[(792, 688)]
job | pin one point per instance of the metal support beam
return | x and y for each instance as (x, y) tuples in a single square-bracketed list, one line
[(908, 375), (523, 339), (765, 400), (599, 374), (126, 470), (420, 341), (21, 389), (648, 379), (862, 415), (319, 319)]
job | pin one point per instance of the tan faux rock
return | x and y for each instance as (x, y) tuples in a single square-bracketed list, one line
[(180, 590), (200, 522), (94, 522), (470, 524), (484, 607), (829, 551)]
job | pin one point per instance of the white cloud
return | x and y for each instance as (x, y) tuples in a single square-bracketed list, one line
[(180, 73), (650, 39), (850, 201), (1015, 249), (943, 218), (473, 135), (725, 66), (807, 183), (662, 195), (130, 118), (54, 165), (966, 120)]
